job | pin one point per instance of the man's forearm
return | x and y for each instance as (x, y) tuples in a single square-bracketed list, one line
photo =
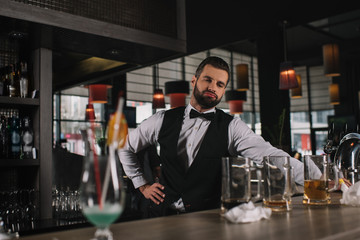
[(132, 167)]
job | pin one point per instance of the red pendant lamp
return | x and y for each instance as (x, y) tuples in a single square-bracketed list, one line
[(235, 99), (178, 90), (98, 93), (287, 73), (89, 112)]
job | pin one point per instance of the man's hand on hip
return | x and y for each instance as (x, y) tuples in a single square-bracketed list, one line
[(153, 192)]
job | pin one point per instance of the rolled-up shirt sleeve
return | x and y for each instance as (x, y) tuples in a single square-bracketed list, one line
[(243, 141), (143, 136)]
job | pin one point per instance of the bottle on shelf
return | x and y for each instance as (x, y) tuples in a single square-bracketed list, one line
[(27, 139), (2, 81), (24, 80), (12, 82), (17, 79), (344, 131), (4, 136), (15, 137), (6, 81)]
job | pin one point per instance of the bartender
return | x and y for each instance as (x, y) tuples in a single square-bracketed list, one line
[(192, 140)]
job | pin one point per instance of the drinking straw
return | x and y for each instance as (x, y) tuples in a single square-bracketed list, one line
[(112, 147), (96, 166)]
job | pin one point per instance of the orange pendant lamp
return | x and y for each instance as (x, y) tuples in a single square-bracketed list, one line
[(334, 94), (297, 92), (158, 97), (287, 79), (331, 60), (242, 77)]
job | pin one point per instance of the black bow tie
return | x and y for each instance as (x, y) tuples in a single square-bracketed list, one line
[(208, 116)]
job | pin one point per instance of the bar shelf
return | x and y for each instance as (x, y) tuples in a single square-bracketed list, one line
[(19, 101), (19, 162)]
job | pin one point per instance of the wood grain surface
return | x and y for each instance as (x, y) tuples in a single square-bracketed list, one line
[(334, 221)]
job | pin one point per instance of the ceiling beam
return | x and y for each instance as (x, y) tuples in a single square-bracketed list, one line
[(59, 19)]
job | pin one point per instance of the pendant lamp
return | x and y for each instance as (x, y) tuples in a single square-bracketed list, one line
[(98, 93), (234, 98), (158, 97), (334, 94), (89, 112), (177, 90), (287, 73), (331, 60), (242, 77), (297, 92)]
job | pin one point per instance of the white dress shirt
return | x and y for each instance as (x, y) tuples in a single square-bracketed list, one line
[(242, 141)]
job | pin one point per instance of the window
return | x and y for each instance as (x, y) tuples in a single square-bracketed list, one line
[(140, 85), (69, 119), (320, 108)]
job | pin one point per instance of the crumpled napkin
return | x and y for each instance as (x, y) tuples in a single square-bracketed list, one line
[(352, 195), (247, 212)]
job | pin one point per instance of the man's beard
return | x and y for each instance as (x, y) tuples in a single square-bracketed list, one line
[(203, 101)]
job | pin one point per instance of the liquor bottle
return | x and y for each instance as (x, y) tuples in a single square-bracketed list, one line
[(3, 137), (17, 79), (2, 81), (6, 81), (24, 81), (27, 139), (344, 131), (15, 137), (12, 84)]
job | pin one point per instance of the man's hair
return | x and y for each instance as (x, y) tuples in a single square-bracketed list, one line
[(216, 62)]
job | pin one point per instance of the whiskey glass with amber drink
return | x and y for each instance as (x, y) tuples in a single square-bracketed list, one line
[(316, 180), (278, 183)]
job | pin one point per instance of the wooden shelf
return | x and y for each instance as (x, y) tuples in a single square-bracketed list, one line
[(19, 162), (19, 101)]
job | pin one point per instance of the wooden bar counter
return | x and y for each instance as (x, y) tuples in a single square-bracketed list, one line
[(335, 221)]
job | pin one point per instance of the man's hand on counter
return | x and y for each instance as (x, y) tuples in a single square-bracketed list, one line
[(153, 192)]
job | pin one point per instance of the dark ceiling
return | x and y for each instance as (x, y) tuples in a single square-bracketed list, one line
[(236, 28), (208, 25)]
